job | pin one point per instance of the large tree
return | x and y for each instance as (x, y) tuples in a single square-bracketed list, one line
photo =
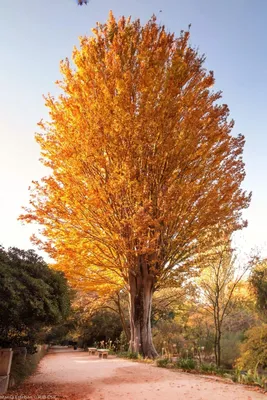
[(144, 169)]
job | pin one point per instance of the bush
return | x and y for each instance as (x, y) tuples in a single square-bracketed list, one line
[(249, 378), (163, 362), (208, 368), (254, 349), (187, 364)]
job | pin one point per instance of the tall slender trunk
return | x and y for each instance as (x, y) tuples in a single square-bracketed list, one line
[(219, 349), (218, 327), (215, 349), (141, 291), (122, 318), (217, 345)]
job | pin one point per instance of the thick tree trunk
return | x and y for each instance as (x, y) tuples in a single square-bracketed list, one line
[(141, 291)]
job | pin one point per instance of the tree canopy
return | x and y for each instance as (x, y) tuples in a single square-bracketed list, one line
[(32, 295), (144, 167)]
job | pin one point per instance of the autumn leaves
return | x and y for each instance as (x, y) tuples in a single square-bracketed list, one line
[(144, 167)]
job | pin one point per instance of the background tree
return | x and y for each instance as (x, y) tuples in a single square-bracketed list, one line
[(254, 349), (89, 304), (144, 168), (104, 325), (258, 282), (217, 286), (32, 296), (167, 302)]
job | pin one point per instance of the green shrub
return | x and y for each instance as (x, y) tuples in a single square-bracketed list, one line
[(186, 364), (163, 362), (230, 345), (208, 368)]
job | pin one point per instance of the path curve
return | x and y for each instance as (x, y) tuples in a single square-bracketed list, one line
[(75, 375)]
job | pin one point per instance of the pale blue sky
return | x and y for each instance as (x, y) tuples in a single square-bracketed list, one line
[(37, 34)]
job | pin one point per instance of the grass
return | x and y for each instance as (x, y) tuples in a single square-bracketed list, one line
[(163, 362), (129, 355), (249, 378)]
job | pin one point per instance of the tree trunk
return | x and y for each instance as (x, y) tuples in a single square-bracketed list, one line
[(122, 318), (141, 291), (217, 347)]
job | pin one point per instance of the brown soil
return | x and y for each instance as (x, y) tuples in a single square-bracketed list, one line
[(69, 374)]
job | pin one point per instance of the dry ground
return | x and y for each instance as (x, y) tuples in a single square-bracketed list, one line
[(68, 374)]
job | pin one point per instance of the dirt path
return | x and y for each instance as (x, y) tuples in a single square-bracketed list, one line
[(76, 375)]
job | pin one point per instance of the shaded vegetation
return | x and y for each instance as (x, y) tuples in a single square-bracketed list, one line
[(32, 297)]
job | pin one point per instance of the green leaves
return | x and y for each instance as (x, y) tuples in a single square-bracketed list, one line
[(31, 294)]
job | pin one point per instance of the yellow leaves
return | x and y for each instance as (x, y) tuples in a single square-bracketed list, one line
[(94, 31), (142, 159)]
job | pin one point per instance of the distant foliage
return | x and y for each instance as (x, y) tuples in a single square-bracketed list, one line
[(103, 326)]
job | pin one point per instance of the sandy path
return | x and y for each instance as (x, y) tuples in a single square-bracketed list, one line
[(76, 375)]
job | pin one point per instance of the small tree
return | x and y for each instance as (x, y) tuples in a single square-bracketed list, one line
[(217, 285)]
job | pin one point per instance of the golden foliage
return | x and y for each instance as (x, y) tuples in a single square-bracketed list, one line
[(142, 161), (254, 349)]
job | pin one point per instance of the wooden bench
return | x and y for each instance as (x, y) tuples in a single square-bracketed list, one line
[(92, 350), (103, 353)]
